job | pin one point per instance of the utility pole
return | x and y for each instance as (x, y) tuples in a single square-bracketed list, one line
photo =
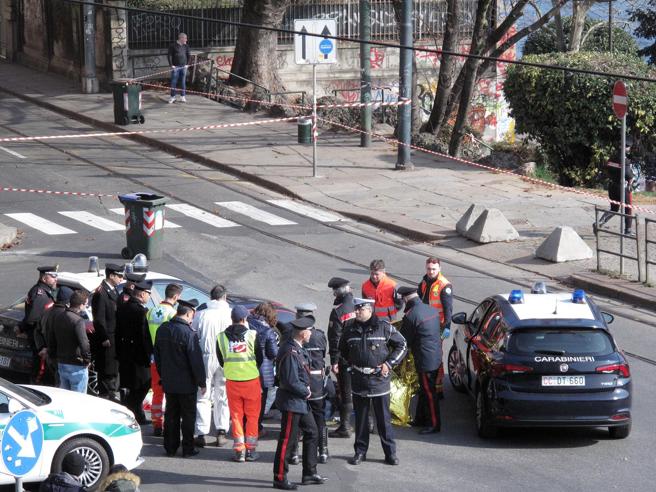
[(89, 80), (365, 73), (610, 26), (405, 88)]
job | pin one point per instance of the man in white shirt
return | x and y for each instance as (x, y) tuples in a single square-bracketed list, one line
[(208, 323)]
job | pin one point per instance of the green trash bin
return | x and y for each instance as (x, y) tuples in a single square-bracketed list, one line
[(144, 224), (305, 130), (127, 102)]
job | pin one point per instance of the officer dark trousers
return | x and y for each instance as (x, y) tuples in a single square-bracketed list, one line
[(381, 408), (428, 404), (179, 407), (290, 424), (346, 400), (317, 408)]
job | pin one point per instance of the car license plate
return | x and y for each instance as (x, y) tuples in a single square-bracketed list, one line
[(563, 380), (4, 361)]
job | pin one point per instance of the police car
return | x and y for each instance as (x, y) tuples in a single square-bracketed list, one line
[(541, 359), (104, 433)]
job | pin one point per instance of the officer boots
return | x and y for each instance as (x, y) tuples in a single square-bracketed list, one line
[(323, 446), (344, 429)]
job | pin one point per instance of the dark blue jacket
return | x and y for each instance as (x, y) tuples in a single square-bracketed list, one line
[(421, 329), (267, 346), (179, 358), (293, 366)]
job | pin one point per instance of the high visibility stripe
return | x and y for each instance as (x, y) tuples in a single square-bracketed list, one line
[(311, 212), (167, 223), (41, 224), (94, 221), (201, 215), (255, 213)]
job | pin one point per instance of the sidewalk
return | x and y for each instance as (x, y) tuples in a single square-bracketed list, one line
[(423, 204)]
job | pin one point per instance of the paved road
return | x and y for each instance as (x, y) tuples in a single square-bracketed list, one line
[(289, 257)]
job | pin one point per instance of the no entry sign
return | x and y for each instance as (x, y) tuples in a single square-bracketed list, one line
[(620, 99)]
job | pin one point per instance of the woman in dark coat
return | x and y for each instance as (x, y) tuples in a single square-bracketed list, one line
[(262, 320)]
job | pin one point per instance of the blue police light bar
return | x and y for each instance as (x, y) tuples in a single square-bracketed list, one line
[(516, 297), (578, 296)]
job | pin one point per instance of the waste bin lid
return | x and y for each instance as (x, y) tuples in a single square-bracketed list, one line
[(141, 196)]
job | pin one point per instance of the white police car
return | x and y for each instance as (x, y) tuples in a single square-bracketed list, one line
[(104, 433), (541, 360)]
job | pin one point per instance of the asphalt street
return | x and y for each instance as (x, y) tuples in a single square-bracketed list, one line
[(289, 256)]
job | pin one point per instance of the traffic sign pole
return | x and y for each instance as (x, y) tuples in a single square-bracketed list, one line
[(19, 484), (622, 194), (314, 120)]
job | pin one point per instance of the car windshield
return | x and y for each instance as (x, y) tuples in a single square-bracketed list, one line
[(560, 342), (34, 397)]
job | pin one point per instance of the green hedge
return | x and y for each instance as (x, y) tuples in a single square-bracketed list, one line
[(570, 115)]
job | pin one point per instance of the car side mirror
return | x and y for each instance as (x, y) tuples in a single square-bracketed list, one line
[(608, 318), (14, 406), (459, 318)]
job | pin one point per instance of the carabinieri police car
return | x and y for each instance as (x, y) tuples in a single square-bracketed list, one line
[(541, 359)]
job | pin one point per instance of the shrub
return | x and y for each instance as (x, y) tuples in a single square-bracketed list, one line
[(570, 115)]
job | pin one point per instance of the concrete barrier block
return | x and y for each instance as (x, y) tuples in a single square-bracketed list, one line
[(491, 227), (467, 220), (564, 244)]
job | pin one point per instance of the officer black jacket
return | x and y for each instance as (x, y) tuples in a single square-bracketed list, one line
[(133, 343), (368, 345), (292, 368), (341, 317), (316, 349), (37, 300), (178, 357), (103, 307), (421, 329)]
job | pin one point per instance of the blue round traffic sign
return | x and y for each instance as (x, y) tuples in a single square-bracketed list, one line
[(326, 46), (22, 442)]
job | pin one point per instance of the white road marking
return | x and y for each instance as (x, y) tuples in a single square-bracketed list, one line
[(12, 152), (255, 213), (308, 211), (41, 224), (198, 214), (167, 223), (94, 221)]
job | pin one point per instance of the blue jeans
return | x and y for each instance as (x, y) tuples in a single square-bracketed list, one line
[(73, 377), (178, 73)]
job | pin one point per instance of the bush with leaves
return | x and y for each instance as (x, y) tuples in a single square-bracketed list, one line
[(544, 40), (570, 115)]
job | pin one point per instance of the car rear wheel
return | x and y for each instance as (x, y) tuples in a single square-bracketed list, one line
[(456, 370), (96, 460), (620, 431), (484, 427)]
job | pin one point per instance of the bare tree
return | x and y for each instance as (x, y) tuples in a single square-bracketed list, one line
[(580, 10)]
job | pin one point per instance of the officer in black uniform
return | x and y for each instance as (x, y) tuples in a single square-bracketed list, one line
[(103, 307), (341, 317), (372, 347), (421, 329), (179, 362), (293, 372), (39, 298), (130, 279)]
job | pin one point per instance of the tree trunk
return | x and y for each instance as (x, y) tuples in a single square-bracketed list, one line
[(560, 34), (256, 58), (447, 70), (580, 10)]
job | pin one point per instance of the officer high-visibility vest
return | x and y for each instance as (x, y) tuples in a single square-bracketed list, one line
[(434, 296), (383, 295), (239, 362), (158, 315)]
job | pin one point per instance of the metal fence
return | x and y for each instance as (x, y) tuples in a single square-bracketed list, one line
[(650, 247), (625, 246), (153, 30)]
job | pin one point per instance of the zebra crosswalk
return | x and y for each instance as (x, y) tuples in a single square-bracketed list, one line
[(53, 226)]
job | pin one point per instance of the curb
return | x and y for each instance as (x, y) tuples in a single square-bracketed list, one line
[(611, 291)]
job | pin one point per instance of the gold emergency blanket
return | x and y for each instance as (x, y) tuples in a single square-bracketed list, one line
[(404, 385)]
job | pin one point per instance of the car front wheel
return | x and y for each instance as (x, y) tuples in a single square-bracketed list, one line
[(95, 457), (456, 370)]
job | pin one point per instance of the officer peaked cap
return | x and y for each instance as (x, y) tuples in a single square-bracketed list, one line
[(51, 269), (135, 277), (114, 268), (191, 303), (337, 282), (406, 291), (303, 323), (306, 307), (143, 285), (359, 301)]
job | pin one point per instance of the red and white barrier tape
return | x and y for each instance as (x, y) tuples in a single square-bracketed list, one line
[(490, 168), (51, 192), (145, 132)]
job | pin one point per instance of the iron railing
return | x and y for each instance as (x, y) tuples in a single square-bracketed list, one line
[(624, 239), (650, 251), (156, 31)]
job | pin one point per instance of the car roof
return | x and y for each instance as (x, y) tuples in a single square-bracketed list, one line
[(91, 280), (553, 310)]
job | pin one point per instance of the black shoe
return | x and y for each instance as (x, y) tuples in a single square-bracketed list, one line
[(323, 456), (357, 459), (252, 455), (170, 454), (629, 232), (429, 430), (157, 432), (315, 479), (340, 432), (391, 460), (199, 441), (284, 485), (294, 460), (191, 453), (221, 439)]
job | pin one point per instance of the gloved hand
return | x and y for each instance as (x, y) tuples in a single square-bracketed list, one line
[(446, 332)]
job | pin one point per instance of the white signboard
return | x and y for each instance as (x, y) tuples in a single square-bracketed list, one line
[(312, 49)]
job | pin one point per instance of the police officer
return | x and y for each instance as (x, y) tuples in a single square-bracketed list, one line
[(421, 329), (131, 278), (292, 398), (179, 362), (372, 347), (103, 307), (341, 317)]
